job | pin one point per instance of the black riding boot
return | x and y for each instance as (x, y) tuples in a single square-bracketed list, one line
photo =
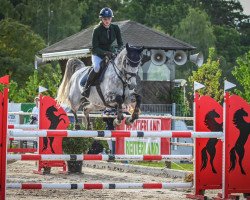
[(91, 79)]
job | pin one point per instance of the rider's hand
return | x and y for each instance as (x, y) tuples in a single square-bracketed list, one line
[(109, 54)]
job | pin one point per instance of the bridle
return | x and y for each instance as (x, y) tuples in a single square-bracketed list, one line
[(122, 75), (124, 72)]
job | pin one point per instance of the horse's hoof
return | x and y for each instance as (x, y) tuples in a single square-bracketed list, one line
[(135, 116), (128, 121), (116, 122), (77, 127)]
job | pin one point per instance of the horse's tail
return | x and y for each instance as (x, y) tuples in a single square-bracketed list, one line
[(204, 158), (71, 67), (232, 159)]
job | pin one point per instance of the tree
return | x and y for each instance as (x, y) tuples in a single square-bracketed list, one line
[(48, 77), (18, 45), (52, 20), (242, 74), (224, 12), (227, 42), (209, 75), (197, 30), (159, 14), (6, 9)]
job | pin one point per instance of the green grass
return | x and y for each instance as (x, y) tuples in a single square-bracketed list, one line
[(178, 166)]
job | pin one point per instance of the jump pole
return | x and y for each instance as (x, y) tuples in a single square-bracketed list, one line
[(96, 157), (23, 126), (22, 150), (108, 134), (91, 186)]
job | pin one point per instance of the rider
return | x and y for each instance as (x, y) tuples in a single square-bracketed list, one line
[(103, 36)]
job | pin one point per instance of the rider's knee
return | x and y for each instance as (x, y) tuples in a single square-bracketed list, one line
[(97, 68)]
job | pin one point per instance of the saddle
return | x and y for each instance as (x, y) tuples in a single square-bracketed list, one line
[(100, 75)]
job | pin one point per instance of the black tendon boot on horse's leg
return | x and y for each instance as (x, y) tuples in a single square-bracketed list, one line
[(91, 79), (135, 115), (120, 117)]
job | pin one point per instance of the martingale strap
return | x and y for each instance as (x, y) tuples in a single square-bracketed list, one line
[(124, 85), (99, 90)]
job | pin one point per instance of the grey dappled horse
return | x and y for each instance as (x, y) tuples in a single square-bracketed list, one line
[(116, 88)]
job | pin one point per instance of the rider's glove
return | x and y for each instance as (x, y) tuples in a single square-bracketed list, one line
[(109, 54)]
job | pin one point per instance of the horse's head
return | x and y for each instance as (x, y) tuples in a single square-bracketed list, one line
[(51, 109), (213, 114), (241, 113), (131, 64)]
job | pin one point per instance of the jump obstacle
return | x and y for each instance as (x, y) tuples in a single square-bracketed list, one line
[(227, 175), (21, 127), (89, 186), (117, 134)]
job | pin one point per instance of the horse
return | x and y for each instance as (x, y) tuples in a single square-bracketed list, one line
[(115, 89), (239, 147), (210, 148), (54, 122)]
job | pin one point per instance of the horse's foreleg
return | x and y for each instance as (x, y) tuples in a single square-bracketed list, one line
[(135, 114), (119, 101), (77, 126)]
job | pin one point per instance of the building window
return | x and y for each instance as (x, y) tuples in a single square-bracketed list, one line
[(151, 72)]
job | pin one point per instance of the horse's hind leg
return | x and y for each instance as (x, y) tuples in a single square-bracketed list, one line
[(241, 152), (87, 109), (45, 143), (77, 126), (212, 153), (51, 140)]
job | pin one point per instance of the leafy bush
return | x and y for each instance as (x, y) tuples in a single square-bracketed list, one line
[(76, 145), (99, 124), (242, 74)]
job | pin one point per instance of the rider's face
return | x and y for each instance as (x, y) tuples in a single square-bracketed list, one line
[(106, 21)]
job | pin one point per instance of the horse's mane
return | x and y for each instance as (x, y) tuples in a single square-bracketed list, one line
[(211, 123), (50, 112), (120, 57), (238, 117)]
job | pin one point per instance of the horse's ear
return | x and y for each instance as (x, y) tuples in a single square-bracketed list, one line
[(127, 47), (141, 49)]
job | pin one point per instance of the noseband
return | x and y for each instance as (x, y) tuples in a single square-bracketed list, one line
[(127, 58)]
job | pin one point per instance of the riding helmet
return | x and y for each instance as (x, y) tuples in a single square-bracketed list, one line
[(106, 12)]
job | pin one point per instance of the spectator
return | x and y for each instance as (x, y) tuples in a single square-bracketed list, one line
[(35, 112)]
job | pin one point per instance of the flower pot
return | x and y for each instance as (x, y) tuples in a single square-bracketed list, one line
[(75, 166)]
